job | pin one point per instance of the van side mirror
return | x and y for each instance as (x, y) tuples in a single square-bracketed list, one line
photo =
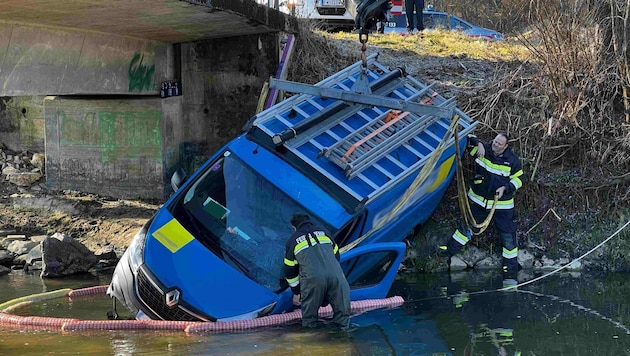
[(178, 178)]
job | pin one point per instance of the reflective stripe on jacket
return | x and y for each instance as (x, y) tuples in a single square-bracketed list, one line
[(492, 172), (310, 253)]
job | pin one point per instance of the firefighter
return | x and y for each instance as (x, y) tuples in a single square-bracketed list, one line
[(498, 175), (312, 269)]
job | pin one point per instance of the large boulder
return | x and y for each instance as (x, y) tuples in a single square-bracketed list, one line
[(63, 256)]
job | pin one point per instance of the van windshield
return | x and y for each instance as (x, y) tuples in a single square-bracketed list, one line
[(241, 217)]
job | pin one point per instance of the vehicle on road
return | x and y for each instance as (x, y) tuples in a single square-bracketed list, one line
[(441, 20), (367, 153), (334, 15)]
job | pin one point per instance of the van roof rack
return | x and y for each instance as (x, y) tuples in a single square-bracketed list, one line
[(363, 142)]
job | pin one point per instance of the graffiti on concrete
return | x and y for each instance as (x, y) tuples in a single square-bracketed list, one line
[(140, 74), (116, 134)]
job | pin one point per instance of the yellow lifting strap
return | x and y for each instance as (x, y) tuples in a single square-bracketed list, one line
[(464, 204), (426, 170)]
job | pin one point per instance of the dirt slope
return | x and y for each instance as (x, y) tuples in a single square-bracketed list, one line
[(96, 221)]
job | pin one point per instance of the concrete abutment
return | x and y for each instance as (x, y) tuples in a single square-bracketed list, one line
[(92, 104)]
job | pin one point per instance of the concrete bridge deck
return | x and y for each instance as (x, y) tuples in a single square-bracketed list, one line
[(169, 21)]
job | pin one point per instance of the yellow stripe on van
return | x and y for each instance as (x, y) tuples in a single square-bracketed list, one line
[(173, 235), (442, 173)]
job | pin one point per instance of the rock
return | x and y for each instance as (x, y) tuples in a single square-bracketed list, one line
[(525, 259), (63, 256), (24, 179), (36, 266), (6, 241), (6, 258), (106, 253), (575, 266), (19, 261), (457, 264), (38, 238), (38, 160), (490, 262), (21, 247), (8, 170), (47, 203), (563, 261), (4, 270), (34, 255), (545, 263), (471, 254)]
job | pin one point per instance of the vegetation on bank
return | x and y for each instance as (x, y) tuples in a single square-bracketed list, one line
[(560, 87)]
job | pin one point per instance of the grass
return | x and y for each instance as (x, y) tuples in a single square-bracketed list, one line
[(441, 43)]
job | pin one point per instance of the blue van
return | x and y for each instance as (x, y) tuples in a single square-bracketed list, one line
[(368, 153)]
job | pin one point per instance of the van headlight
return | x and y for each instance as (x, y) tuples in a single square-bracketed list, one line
[(136, 248)]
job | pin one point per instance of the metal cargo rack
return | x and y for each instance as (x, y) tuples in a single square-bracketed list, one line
[(364, 128)]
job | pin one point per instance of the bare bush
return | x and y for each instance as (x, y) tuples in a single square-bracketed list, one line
[(507, 16), (620, 36), (316, 57), (565, 119)]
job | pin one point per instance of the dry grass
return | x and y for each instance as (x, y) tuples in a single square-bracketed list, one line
[(440, 43)]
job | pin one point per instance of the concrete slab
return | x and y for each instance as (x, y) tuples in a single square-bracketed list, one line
[(169, 21)]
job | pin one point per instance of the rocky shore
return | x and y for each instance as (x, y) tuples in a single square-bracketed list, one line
[(59, 233)]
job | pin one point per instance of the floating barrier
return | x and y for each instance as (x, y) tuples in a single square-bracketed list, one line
[(71, 324)]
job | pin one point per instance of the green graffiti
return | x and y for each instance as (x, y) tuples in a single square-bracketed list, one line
[(115, 134), (107, 130), (140, 75)]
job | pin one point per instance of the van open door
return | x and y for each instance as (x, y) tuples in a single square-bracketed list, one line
[(370, 270)]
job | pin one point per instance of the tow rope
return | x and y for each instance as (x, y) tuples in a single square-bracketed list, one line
[(72, 324), (422, 176), (464, 204), (516, 286)]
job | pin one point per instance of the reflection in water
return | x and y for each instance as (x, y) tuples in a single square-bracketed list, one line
[(444, 314), (572, 314)]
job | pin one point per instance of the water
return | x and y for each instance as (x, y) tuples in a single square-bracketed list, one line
[(443, 314)]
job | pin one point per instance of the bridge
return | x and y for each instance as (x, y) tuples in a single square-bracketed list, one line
[(171, 21), (119, 94)]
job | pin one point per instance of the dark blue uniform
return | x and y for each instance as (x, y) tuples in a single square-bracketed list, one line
[(418, 6), (491, 172), (312, 270)]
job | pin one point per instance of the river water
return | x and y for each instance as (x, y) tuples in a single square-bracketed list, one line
[(443, 314)]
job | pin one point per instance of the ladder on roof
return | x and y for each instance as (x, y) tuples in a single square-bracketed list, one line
[(371, 137), (378, 138)]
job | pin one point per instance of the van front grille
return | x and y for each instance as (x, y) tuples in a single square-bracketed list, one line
[(155, 300)]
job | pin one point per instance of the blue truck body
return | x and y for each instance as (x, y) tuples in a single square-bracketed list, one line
[(368, 153)]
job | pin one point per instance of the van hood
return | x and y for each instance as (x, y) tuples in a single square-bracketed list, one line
[(204, 281)]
